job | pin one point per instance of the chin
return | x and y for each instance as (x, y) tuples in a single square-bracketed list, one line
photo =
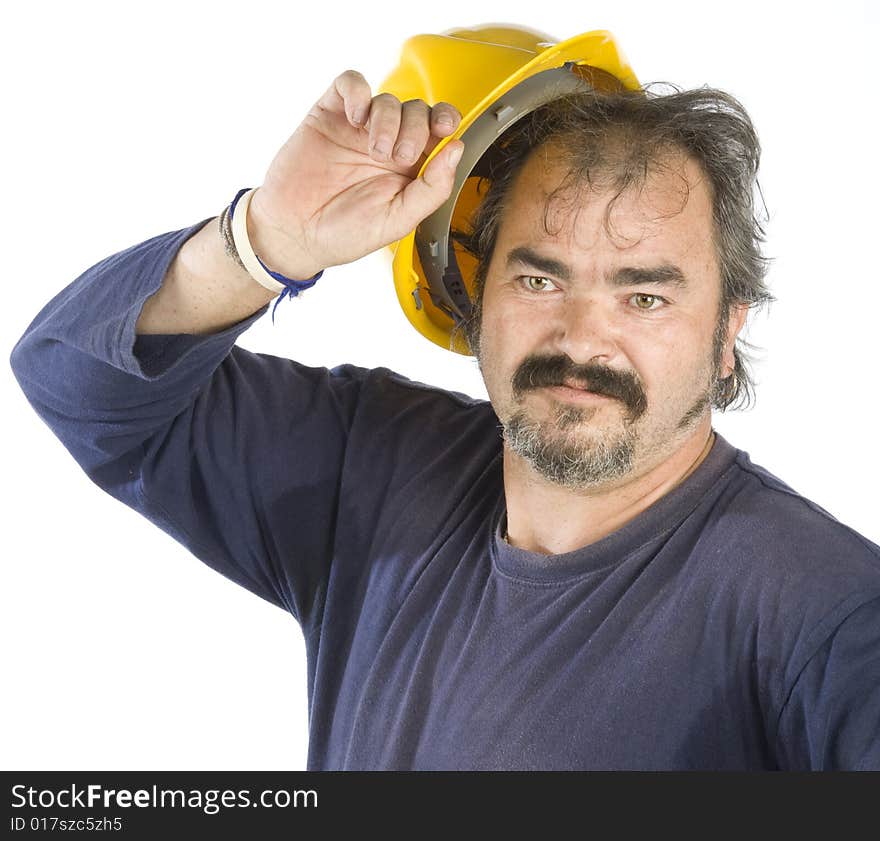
[(569, 459)]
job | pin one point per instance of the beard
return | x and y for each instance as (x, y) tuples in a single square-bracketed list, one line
[(567, 448), (564, 452)]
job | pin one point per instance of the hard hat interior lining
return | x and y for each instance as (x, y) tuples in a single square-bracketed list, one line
[(434, 245)]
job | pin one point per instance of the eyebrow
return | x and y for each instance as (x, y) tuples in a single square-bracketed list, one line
[(666, 273)]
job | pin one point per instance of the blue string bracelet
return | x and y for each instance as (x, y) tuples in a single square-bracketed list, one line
[(292, 287)]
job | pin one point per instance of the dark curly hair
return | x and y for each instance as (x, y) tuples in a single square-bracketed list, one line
[(613, 139)]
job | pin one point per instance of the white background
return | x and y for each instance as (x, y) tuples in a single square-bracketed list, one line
[(122, 651)]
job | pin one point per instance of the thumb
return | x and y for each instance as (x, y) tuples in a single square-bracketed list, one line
[(422, 196)]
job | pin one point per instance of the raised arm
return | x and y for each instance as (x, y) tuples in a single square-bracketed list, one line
[(341, 187), (134, 367)]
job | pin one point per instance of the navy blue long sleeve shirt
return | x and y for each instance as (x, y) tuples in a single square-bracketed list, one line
[(733, 624)]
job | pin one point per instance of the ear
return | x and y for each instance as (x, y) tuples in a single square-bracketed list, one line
[(735, 322)]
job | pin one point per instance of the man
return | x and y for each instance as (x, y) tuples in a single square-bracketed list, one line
[(607, 584)]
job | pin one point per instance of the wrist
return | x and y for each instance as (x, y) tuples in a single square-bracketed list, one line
[(278, 252)]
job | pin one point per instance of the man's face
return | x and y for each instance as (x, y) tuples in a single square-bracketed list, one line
[(628, 314)]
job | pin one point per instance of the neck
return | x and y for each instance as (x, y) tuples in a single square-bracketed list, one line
[(551, 520)]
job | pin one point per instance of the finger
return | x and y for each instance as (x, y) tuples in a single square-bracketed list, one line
[(350, 94), (414, 131), (425, 194), (445, 118), (383, 123)]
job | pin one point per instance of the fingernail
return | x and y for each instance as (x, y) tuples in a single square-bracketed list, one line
[(357, 116), (455, 157)]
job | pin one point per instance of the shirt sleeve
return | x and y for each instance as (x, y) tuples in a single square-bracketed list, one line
[(831, 720), (236, 455)]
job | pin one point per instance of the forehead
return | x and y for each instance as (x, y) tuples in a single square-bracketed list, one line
[(664, 212)]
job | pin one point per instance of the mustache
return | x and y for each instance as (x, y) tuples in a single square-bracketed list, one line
[(542, 371)]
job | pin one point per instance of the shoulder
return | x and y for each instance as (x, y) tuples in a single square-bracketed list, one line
[(792, 579), (794, 571), (772, 518), (406, 401), (397, 415), (395, 385)]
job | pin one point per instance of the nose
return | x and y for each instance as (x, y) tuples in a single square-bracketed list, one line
[(585, 332)]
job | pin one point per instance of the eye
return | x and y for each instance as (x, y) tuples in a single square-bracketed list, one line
[(646, 302), (532, 287)]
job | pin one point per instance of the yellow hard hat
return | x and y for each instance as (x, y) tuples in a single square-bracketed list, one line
[(494, 74)]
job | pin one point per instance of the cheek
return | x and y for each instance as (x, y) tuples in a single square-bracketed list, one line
[(668, 364), (508, 328)]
